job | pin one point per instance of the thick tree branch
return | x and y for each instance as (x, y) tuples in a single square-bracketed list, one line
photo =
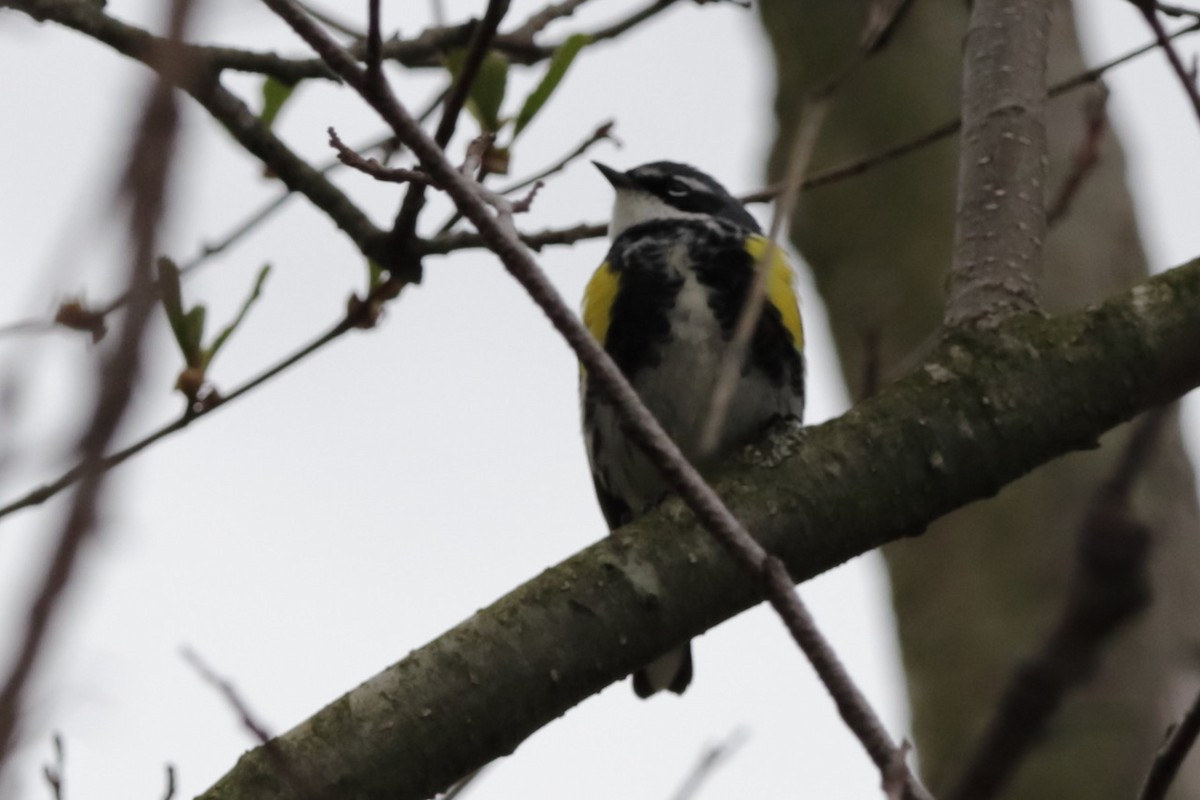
[(986, 408), (1001, 212)]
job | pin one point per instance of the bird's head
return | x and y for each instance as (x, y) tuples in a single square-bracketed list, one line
[(666, 190)]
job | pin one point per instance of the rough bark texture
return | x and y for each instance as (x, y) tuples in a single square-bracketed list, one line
[(983, 410), (1001, 209), (978, 591)]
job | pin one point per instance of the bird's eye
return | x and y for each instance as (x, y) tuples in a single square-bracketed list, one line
[(678, 190)]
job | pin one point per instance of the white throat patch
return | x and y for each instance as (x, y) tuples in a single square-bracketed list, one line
[(634, 206)]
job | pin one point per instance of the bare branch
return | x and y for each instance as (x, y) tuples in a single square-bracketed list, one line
[(54, 772), (1186, 76), (228, 691), (360, 314), (812, 117), (370, 166), (1086, 158), (403, 237), (602, 132), (1180, 740), (1109, 586), (374, 43), (537, 22), (144, 184), (289, 770), (201, 82), (1000, 219), (169, 791), (450, 242), (713, 756)]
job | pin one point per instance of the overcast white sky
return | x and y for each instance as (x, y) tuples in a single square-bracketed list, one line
[(353, 509)]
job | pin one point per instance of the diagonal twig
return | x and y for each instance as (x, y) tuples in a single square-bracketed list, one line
[(497, 228), (369, 166), (144, 184), (538, 21), (1179, 742), (1187, 77), (1109, 586), (729, 373), (1086, 158), (712, 757), (600, 134), (359, 314), (288, 769), (403, 234)]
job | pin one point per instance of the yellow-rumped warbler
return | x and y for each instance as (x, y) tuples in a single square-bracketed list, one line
[(664, 304)]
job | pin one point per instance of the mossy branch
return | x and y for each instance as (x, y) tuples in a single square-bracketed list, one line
[(986, 408)]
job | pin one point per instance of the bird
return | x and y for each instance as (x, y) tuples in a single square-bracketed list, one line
[(664, 305)]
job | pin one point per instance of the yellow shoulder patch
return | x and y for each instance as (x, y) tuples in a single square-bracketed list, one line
[(598, 301), (781, 289)]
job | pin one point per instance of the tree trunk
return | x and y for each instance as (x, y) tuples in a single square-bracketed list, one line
[(971, 605)]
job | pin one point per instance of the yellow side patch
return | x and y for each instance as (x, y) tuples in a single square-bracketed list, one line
[(598, 301), (781, 289)]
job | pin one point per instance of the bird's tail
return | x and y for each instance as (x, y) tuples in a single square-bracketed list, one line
[(672, 671)]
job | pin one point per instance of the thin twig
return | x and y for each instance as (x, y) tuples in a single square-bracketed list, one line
[(1108, 587), (169, 792), (90, 320), (951, 127), (1086, 158), (448, 243), (1186, 76), (228, 691), (370, 166), (883, 19), (374, 42), (729, 374), (497, 228), (402, 238), (603, 132), (287, 768), (1179, 742), (55, 771), (538, 21), (633, 20), (144, 184), (463, 240), (135, 43), (202, 84), (359, 314), (713, 756), (331, 22)]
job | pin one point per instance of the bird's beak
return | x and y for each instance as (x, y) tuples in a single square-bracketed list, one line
[(619, 180)]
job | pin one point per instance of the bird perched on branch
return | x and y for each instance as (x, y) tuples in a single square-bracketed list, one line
[(665, 304)]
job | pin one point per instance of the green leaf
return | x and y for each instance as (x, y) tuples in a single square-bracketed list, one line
[(274, 94), (374, 273), (172, 300), (193, 335), (487, 92), (224, 335), (559, 63)]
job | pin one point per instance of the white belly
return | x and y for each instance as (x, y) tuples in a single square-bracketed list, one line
[(678, 391)]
